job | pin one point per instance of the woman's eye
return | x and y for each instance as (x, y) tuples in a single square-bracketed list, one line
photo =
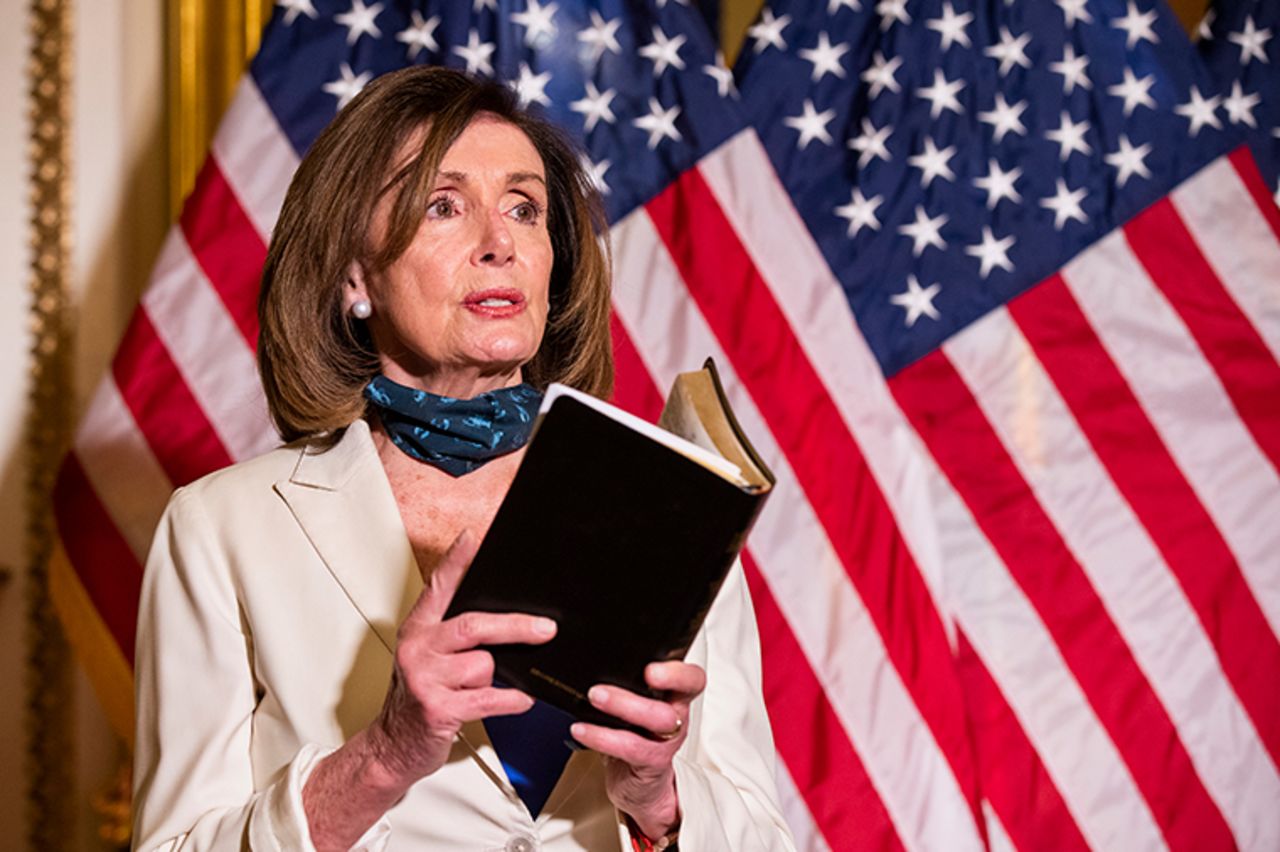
[(441, 208), (526, 212)]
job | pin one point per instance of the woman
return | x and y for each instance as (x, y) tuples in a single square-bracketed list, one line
[(298, 687)]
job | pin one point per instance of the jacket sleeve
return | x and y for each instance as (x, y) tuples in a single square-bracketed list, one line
[(725, 769), (194, 781)]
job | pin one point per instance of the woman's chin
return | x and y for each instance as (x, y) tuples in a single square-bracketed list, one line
[(489, 370), (503, 353)]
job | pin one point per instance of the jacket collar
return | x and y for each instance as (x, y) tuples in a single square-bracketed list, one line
[(341, 498)]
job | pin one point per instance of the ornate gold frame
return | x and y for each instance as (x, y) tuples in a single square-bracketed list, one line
[(48, 670)]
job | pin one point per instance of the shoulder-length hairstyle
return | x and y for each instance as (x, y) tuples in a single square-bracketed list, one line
[(314, 360)]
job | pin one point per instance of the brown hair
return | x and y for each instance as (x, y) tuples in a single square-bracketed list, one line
[(314, 360)]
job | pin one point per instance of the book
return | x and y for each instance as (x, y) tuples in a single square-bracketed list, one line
[(621, 531)]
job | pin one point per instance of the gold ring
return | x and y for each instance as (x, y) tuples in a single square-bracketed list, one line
[(674, 732)]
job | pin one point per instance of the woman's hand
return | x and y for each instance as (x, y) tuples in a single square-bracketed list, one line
[(639, 777), (441, 680)]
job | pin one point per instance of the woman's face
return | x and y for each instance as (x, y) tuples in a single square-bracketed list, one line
[(465, 306)]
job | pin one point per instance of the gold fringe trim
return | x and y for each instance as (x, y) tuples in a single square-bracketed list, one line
[(95, 647)]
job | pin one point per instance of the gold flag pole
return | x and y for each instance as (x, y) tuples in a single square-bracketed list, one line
[(208, 45)]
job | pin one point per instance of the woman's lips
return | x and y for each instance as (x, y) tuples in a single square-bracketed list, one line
[(496, 303)]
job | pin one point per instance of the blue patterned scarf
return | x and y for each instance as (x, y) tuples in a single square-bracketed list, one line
[(455, 435)]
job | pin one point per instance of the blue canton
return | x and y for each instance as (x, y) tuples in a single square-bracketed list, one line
[(948, 155), (1238, 40)]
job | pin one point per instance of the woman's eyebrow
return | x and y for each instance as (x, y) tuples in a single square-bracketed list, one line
[(513, 178), (525, 177)]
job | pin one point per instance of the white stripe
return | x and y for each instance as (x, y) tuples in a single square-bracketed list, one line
[(1008, 636), (1235, 238), (804, 830), (803, 572), (1146, 603), (971, 583), (131, 485), (208, 350), (1188, 407), (998, 838), (255, 156)]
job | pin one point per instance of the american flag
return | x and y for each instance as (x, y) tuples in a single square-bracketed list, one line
[(1030, 285), (996, 302)]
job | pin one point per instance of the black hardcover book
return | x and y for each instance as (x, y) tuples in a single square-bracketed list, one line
[(622, 533)]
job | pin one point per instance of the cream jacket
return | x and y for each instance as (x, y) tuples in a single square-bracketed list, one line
[(266, 625)]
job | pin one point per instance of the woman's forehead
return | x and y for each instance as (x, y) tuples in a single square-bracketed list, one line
[(494, 145), (488, 140)]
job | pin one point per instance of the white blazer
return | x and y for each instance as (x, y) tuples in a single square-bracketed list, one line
[(267, 620)]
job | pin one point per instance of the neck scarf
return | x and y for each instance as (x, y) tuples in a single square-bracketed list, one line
[(455, 435)]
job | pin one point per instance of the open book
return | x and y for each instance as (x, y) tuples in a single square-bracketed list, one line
[(622, 532)]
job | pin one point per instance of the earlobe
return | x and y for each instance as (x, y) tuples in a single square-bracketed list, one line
[(355, 296)]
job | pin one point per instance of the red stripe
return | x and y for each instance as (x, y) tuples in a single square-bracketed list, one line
[(166, 412), (226, 245), (1245, 166), (948, 418), (633, 389), (811, 740), (1251, 377), (824, 455), (1151, 481), (1014, 779), (107, 568)]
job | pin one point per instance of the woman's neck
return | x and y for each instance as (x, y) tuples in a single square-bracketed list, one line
[(434, 506)]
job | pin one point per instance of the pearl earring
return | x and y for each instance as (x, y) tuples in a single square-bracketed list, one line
[(361, 309)]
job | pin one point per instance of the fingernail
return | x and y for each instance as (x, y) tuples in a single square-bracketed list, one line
[(544, 627), (576, 730), (599, 695)]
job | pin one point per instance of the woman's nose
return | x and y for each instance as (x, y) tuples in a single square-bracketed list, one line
[(495, 247)]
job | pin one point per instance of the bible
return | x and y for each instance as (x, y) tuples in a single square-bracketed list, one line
[(621, 531)]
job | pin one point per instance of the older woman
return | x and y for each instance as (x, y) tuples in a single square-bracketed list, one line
[(438, 260)]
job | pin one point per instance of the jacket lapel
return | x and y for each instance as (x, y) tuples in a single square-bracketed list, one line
[(343, 502)]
